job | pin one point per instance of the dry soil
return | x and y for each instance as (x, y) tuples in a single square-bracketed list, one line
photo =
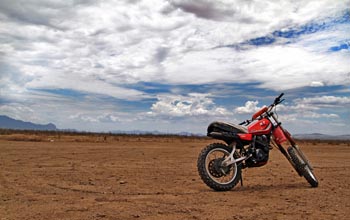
[(156, 178)]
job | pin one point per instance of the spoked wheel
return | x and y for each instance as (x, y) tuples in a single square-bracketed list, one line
[(212, 171), (302, 167)]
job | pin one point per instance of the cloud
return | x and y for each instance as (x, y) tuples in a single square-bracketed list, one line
[(316, 84), (18, 111), (292, 67), (160, 41), (83, 117), (86, 85), (100, 117), (92, 53), (249, 108), (326, 100), (186, 106), (314, 107), (274, 67), (317, 115), (40, 12), (218, 11), (306, 108), (258, 11)]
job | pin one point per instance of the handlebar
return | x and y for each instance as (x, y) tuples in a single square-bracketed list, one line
[(278, 99), (264, 109), (280, 96)]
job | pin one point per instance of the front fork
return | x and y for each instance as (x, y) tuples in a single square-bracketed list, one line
[(297, 149), (299, 152), (303, 157)]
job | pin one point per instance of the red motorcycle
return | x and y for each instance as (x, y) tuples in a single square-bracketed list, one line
[(248, 145)]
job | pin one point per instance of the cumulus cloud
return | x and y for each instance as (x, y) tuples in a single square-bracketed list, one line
[(103, 117), (83, 117), (306, 108), (316, 84), (249, 108), (192, 105), (320, 110)]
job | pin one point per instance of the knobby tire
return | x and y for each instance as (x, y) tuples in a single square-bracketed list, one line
[(302, 168), (205, 176)]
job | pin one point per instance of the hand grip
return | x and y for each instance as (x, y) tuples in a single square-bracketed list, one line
[(278, 99)]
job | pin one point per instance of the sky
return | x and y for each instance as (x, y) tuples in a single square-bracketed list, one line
[(176, 65)]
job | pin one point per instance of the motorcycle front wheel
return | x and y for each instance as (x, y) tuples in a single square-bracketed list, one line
[(302, 167), (211, 170)]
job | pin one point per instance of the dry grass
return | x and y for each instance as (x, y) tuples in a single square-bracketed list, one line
[(67, 136), (319, 142)]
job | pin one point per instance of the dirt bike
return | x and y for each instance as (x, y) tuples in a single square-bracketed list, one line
[(248, 145)]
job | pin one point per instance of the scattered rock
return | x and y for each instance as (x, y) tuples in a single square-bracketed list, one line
[(100, 215)]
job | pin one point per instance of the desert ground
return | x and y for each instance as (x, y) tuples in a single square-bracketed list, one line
[(45, 176)]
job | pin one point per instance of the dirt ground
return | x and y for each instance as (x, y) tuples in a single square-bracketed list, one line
[(156, 178)]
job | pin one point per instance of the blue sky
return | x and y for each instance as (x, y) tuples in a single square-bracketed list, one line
[(175, 65)]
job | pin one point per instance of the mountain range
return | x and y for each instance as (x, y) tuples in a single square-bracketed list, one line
[(10, 123), (318, 136)]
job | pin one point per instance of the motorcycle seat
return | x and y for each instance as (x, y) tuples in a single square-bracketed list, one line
[(218, 126)]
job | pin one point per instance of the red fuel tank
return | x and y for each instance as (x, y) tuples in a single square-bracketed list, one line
[(260, 127)]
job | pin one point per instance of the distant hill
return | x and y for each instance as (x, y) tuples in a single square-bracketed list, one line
[(318, 136), (10, 123)]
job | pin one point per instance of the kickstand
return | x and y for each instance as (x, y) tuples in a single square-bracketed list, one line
[(241, 179)]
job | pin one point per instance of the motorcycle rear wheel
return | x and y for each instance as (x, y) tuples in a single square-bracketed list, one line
[(211, 171), (302, 167)]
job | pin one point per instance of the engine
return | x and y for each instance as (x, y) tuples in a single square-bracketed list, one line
[(259, 150)]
